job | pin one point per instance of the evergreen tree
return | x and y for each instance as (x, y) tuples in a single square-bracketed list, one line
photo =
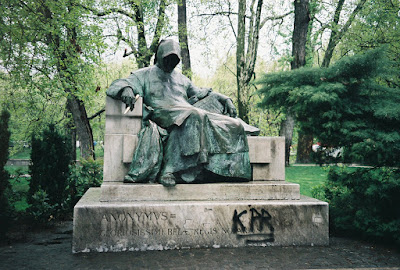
[(349, 104), (50, 157), (4, 177)]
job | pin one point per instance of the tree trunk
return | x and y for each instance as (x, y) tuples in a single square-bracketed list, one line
[(245, 61), (299, 40), (241, 61), (68, 57), (183, 39), (82, 125), (243, 108), (286, 131), (304, 147), (301, 26), (301, 20), (143, 53), (71, 131)]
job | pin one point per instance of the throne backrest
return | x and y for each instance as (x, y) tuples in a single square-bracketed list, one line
[(121, 137)]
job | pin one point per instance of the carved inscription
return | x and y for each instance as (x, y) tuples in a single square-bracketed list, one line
[(253, 225), (122, 224), (152, 223)]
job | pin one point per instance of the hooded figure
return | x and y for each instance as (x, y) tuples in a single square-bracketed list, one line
[(200, 142)]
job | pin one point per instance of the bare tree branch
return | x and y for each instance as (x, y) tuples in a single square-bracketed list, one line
[(224, 13), (102, 13), (351, 18), (336, 35), (230, 21), (97, 114), (126, 54), (273, 18), (159, 26), (251, 25), (127, 41)]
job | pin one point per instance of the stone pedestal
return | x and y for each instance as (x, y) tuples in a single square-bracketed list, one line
[(266, 211), (158, 225)]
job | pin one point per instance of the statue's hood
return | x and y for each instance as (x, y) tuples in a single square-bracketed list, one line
[(165, 48)]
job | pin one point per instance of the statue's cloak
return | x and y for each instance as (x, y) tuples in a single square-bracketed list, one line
[(197, 138)]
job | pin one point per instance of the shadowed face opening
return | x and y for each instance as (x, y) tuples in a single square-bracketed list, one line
[(170, 62)]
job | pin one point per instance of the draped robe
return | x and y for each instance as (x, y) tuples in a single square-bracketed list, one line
[(197, 139)]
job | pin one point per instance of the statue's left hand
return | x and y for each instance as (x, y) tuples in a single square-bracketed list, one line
[(230, 108), (128, 97)]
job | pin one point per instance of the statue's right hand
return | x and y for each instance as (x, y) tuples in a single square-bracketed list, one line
[(128, 97)]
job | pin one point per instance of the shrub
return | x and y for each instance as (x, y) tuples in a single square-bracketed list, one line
[(351, 104), (40, 209), (50, 159), (88, 174), (364, 202)]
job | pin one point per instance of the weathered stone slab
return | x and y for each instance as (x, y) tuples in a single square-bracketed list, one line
[(267, 158), (109, 226), (120, 138), (260, 149), (114, 169), (255, 190), (129, 144), (123, 125)]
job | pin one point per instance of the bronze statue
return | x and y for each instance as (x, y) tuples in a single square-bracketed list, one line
[(185, 135)]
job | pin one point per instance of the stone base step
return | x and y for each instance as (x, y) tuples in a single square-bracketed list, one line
[(254, 190), (158, 225)]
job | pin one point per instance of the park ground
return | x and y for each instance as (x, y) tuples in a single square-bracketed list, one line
[(51, 249)]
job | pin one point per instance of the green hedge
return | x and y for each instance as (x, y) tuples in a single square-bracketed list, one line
[(364, 202)]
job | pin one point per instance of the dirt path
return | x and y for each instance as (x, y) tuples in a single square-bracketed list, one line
[(51, 249)]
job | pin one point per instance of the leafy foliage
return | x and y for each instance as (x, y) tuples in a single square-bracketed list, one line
[(346, 105), (50, 48), (364, 202), (378, 24), (57, 41), (84, 176), (40, 209)]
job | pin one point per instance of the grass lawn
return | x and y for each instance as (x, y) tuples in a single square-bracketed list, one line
[(307, 176), (20, 186), (26, 153), (22, 154)]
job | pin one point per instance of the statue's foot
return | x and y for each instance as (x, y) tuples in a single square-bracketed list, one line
[(129, 179), (168, 180), (188, 177), (191, 174)]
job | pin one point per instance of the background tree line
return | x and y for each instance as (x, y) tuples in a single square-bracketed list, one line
[(53, 53)]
